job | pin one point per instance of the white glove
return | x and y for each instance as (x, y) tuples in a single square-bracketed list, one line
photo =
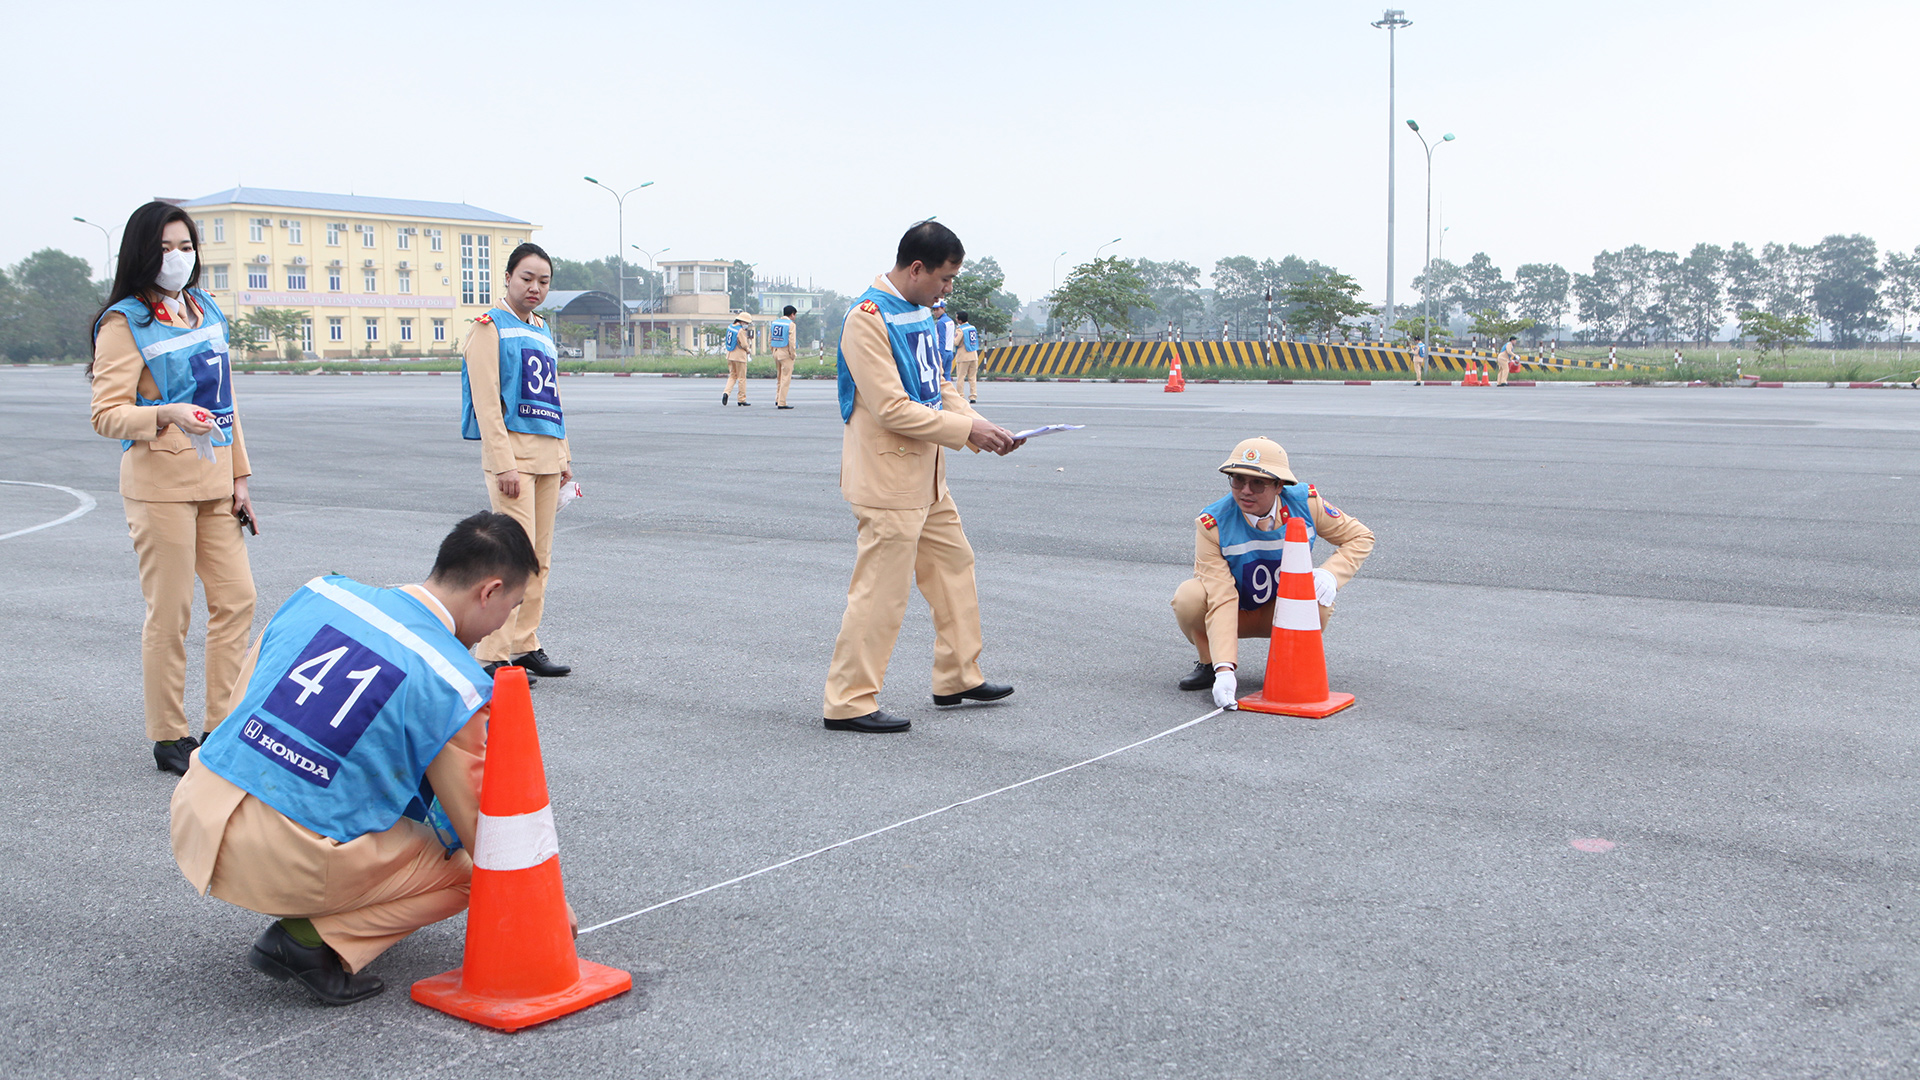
[(1324, 589), (1226, 689)]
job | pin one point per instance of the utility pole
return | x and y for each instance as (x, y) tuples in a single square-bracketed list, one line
[(619, 249), (1393, 20)]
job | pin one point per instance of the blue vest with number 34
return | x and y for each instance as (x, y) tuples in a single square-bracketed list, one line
[(910, 335), (1254, 554), (190, 366), (355, 692), (529, 381)]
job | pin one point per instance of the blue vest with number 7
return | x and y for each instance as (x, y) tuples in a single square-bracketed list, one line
[(1254, 554), (189, 366), (910, 336), (529, 381), (355, 692)]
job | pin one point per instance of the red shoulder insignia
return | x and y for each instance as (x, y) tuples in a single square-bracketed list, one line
[(1207, 522), (869, 307), (485, 320), (1312, 494)]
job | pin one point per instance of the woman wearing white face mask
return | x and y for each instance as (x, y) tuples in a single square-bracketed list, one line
[(163, 386)]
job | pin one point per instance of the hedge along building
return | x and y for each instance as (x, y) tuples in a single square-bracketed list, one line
[(371, 276)]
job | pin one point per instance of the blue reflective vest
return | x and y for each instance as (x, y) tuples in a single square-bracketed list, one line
[(1254, 554), (943, 340), (191, 367), (969, 338), (529, 381), (910, 335), (733, 338), (355, 692), (781, 334)]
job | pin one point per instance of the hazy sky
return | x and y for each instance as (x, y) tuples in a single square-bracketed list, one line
[(804, 137)]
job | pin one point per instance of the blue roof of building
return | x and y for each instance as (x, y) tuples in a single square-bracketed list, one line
[(368, 205)]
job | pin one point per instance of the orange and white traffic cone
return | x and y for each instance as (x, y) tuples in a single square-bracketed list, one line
[(520, 967), (1176, 382), (1296, 682), (1471, 376)]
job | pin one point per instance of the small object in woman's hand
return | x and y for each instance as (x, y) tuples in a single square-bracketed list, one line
[(569, 491), (246, 521)]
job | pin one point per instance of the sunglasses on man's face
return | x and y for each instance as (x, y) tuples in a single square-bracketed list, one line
[(1252, 483)]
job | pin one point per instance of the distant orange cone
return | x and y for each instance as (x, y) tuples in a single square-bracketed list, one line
[(1296, 682), (1176, 382), (520, 968)]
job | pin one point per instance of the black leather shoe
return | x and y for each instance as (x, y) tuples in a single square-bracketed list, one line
[(319, 970), (537, 663), (172, 756), (723, 399), (783, 406), (1200, 678), (876, 722), (986, 691), (532, 679), (743, 403)]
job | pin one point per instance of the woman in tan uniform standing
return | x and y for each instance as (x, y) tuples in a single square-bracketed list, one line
[(163, 386), (512, 408)]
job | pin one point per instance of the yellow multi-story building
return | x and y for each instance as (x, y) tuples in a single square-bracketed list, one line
[(372, 276)]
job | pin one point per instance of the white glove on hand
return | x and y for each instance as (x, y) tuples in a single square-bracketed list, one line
[(1324, 589), (1226, 689)]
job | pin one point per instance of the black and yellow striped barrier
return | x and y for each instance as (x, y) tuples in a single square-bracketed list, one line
[(1223, 358)]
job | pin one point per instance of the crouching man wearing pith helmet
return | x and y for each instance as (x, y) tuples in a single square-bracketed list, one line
[(1236, 561)]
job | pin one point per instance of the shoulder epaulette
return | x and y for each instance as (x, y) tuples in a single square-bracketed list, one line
[(1207, 522), (869, 307), (485, 320), (1312, 494)]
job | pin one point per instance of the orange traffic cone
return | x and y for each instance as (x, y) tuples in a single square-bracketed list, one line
[(520, 968), (1296, 682), (1469, 375), (1176, 382)]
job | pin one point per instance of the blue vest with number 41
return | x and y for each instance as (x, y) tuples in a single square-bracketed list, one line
[(910, 336), (1254, 554), (355, 692), (529, 381), (189, 366)]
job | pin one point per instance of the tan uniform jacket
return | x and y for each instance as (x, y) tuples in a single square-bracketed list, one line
[(501, 449), (205, 800), (890, 452), (160, 466), (1352, 540)]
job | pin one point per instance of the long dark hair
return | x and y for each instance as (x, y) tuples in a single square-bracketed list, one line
[(140, 256)]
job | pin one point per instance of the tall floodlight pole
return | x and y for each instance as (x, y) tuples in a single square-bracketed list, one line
[(619, 248), (1393, 20), (653, 281), (1103, 247), (1426, 268), (1056, 282), (106, 267)]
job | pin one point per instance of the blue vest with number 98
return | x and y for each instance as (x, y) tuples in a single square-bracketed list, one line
[(355, 692), (529, 381), (1254, 554)]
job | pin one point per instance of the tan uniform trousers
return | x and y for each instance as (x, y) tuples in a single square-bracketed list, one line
[(1190, 611), (966, 377), (783, 358), (363, 896), (897, 549), (539, 498), (736, 375), (177, 541)]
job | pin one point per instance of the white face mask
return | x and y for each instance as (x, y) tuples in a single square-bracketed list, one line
[(175, 268)]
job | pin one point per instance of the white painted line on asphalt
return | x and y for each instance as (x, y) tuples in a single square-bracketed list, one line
[(86, 503), (897, 824)]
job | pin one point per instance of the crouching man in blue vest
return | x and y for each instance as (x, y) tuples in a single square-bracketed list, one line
[(1236, 561), (342, 795)]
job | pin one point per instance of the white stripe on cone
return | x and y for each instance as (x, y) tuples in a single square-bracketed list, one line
[(1291, 614), (521, 841), (1297, 558)]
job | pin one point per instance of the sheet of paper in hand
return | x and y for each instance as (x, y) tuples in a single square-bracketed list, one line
[(1047, 430)]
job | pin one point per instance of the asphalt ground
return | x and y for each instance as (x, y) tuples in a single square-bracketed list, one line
[(1681, 621)]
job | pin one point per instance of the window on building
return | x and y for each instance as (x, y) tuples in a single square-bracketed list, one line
[(476, 269), (219, 230), (199, 226), (435, 240), (333, 279), (372, 281), (373, 329), (257, 229), (256, 276), (403, 280), (294, 233), (306, 335), (334, 229), (336, 329), (296, 279), (402, 239), (406, 329), (262, 335), (366, 235), (439, 329), (219, 274)]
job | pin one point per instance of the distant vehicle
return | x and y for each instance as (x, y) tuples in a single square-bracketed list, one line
[(568, 352)]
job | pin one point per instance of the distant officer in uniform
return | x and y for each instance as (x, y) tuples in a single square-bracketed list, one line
[(781, 337), (1236, 561), (511, 395), (1419, 361), (899, 412), (738, 345), (160, 374), (943, 337), (342, 794), (1506, 359), (966, 356)]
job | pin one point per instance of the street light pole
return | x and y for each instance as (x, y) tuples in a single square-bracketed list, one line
[(1393, 20), (1056, 281), (1103, 247), (1426, 292), (653, 279), (619, 248), (109, 239)]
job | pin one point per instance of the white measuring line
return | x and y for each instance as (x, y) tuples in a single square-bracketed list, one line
[(897, 824), (86, 503)]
